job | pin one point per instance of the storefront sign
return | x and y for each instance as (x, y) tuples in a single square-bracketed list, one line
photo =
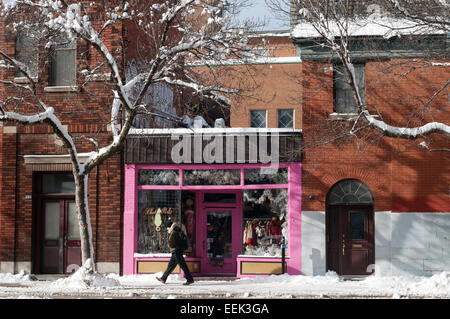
[(163, 210), (225, 148)]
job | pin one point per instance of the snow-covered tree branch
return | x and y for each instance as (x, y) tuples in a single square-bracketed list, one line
[(338, 24), (164, 35)]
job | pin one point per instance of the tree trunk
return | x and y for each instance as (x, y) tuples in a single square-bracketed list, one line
[(82, 206)]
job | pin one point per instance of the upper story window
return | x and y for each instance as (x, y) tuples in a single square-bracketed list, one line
[(27, 52), (258, 118), (63, 64), (286, 118), (344, 101)]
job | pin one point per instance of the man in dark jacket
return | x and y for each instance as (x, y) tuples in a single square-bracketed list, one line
[(177, 256)]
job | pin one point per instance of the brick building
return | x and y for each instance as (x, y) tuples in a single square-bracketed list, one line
[(38, 223), (353, 202), (37, 186), (374, 202), (371, 202)]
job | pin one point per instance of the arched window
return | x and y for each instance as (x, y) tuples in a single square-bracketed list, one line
[(349, 191)]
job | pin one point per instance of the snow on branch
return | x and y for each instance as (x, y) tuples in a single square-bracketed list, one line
[(405, 132)]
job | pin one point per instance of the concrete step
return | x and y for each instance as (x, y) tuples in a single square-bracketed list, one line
[(48, 277)]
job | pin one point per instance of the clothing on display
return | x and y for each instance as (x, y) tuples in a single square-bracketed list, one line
[(262, 233)]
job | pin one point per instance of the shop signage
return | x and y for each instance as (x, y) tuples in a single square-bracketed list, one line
[(225, 148), (154, 211)]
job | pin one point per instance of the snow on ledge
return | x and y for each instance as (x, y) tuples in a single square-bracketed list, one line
[(234, 130), (60, 159), (160, 255), (263, 60), (371, 26)]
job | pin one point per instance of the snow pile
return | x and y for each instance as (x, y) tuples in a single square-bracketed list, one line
[(330, 277), (10, 278), (438, 284), (84, 278), (86, 283)]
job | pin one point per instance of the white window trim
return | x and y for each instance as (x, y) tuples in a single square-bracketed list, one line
[(342, 116), (58, 89), (24, 79)]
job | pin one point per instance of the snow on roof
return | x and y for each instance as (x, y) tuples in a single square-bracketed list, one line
[(234, 130), (370, 26), (259, 60)]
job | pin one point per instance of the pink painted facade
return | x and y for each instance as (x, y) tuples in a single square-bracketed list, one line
[(232, 265)]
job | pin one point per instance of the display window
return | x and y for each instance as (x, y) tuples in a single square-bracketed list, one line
[(265, 221), (155, 209), (158, 207)]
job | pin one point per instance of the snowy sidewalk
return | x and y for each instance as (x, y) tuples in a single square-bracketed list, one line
[(277, 287)]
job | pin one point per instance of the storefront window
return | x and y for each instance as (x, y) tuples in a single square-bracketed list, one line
[(266, 175), (212, 177), (265, 221), (158, 177), (188, 220), (220, 198), (156, 208)]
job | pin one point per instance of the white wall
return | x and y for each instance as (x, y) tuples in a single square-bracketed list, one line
[(313, 243), (412, 243), (405, 243)]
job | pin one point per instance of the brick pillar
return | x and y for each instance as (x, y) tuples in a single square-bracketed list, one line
[(8, 139)]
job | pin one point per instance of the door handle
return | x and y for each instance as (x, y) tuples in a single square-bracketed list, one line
[(343, 247)]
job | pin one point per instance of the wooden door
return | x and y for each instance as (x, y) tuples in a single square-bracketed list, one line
[(350, 239), (60, 237)]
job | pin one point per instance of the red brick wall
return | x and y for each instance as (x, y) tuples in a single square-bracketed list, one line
[(86, 114), (403, 176), (270, 86), (8, 197)]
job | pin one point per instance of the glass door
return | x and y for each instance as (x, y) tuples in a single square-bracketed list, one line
[(60, 241), (72, 239), (219, 251), (221, 234)]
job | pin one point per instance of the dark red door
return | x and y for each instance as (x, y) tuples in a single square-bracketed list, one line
[(60, 237), (350, 239)]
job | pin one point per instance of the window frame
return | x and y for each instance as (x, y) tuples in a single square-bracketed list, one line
[(278, 118), (265, 118), (54, 86), (19, 77), (340, 83)]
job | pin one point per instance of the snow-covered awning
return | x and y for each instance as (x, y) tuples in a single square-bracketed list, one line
[(213, 145)]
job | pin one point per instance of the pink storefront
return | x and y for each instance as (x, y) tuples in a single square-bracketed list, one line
[(237, 208)]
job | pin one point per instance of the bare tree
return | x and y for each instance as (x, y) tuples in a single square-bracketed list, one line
[(335, 24), (170, 33)]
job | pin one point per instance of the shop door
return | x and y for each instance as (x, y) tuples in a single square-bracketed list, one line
[(350, 239), (221, 237), (60, 237)]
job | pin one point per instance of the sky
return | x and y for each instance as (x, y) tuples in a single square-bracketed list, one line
[(259, 10)]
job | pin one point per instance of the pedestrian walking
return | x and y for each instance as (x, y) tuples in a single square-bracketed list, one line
[(177, 245)]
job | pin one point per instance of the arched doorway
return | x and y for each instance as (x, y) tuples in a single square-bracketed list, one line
[(350, 228)]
